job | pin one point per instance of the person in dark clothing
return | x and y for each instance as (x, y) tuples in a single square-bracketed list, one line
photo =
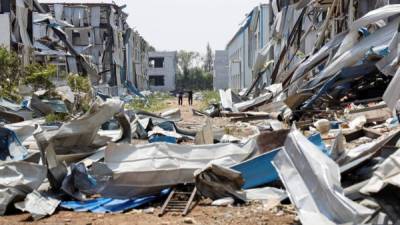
[(190, 97), (180, 97)]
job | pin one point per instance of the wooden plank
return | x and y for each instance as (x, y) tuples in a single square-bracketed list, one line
[(164, 207), (189, 203)]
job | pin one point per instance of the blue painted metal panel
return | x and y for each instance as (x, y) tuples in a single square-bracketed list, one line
[(259, 170), (316, 139)]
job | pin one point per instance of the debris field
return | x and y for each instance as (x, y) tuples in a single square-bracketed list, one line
[(318, 142)]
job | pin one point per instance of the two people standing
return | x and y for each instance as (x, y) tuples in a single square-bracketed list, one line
[(190, 97)]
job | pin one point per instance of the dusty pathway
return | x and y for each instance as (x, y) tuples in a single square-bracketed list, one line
[(207, 215)]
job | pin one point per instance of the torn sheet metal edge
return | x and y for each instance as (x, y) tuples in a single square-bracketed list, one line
[(362, 152), (71, 134), (38, 205), (99, 155), (259, 170), (216, 182), (313, 61), (380, 37), (226, 99), (313, 184), (153, 171), (242, 106), (392, 93), (265, 193), (375, 15), (388, 64), (18, 179), (387, 173), (352, 38), (172, 114), (159, 131)]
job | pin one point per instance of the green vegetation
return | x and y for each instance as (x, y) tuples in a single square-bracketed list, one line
[(154, 103), (13, 74), (58, 117), (195, 79), (39, 76), (208, 98), (10, 74), (78, 83), (195, 72)]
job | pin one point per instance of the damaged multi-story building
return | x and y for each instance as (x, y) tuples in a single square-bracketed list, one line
[(253, 34), (140, 61), (97, 30), (16, 26)]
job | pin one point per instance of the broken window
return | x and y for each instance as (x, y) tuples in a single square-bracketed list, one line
[(156, 62), (80, 37), (156, 80)]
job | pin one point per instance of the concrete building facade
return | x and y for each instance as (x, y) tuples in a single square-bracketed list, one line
[(221, 70), (162, 71)]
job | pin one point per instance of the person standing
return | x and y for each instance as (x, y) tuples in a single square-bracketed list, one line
[(190, 97), (180, 97)]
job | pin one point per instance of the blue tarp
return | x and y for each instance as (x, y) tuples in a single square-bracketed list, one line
[(109, 205), (162, 138)]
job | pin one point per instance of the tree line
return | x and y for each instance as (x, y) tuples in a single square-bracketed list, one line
[(195, 72)]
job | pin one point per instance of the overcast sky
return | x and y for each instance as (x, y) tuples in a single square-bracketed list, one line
[(187, 24)]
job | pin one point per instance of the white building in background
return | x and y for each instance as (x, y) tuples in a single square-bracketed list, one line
[(162, 71), (252, 36), (237, 50), (221, 70)]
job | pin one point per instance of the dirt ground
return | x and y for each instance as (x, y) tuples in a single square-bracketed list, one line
[(252, 214), (203, 213)]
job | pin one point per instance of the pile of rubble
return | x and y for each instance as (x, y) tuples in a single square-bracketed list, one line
[(324, 135), (340, 99)]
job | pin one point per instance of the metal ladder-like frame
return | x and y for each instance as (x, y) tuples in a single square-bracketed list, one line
[(175, 205)]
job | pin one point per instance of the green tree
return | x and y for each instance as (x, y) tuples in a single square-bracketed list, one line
[(10, 74), (191, 75), (186, 60), (39, 76), (78, 83)]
